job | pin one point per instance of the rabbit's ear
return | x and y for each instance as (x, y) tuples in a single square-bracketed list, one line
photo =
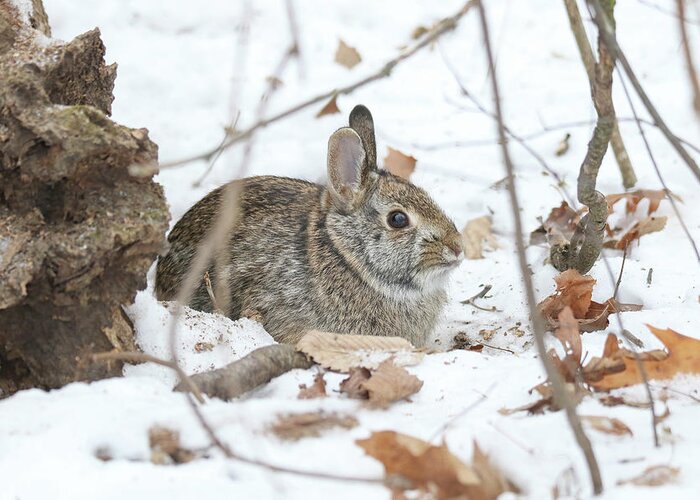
[(346, 164), (362, 123)]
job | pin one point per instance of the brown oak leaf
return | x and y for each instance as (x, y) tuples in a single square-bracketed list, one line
[(399, 164)]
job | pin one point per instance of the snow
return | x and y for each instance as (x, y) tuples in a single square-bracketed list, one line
[(176, 71)]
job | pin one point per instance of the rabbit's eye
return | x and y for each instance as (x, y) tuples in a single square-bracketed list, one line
[(397, 219)]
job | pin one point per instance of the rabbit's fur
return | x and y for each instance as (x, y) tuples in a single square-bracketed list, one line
[(307, 256)]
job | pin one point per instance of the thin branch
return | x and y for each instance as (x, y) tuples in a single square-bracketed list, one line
[(667, 12), (607, 31), (669, 195), (561, 396), (690, 66), (443, 26), (629, 179), (622, 270), (466, 93), (140, 357), (638, 361), (229, 453)]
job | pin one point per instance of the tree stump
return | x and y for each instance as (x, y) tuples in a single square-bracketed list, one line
[(77, 232)]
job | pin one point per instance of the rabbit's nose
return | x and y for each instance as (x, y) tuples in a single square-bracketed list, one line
[(455, 246)]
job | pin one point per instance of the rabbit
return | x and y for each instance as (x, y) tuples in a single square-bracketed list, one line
[(369, 253)]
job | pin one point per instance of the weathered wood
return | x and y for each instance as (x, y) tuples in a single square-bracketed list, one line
[(77, 233)]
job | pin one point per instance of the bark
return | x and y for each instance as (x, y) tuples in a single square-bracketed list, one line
[(629, 178), (249, 372), (584, 248), (77, 233)]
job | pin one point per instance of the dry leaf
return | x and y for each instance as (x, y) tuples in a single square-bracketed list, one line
[(568, 334), (165, 447), (295, 426), (607, 425), (419, 31), (563, 145), (203, 346), (399, 164), (352, 386), (559, 226), (683, 357), (475, 233), (316, 390), (347, 56), (634, 198), (390, 383), (435, 469), (575, 291), (341, 352), (640, 228), (330, 108), (656, 475)]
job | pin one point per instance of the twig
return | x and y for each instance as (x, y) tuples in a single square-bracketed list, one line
[(443, 428), (629, 179), (443, 26), (634, 341), (294, 31), (210, 292), (560, 395), (229, 453), (649, 274), (482, 293), (140, 357), (692, 74), (667, 12), (622, 269), (586, 243), (239, 69), (606, 30), (538, 157), (669, 195)]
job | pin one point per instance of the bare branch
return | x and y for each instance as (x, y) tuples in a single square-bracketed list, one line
[(669, 195), (140, 357), (607, 31), (690, 66), (560, 394), (443, 26), (629, 179), (585, 245)]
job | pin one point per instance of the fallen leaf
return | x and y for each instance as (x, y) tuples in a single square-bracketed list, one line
[(575, 291), (563, 145), (559, 226), (399, 164), (634, 198), (607, 425), (390, 383), (568, 334), (656, 475), (316, 390), (165, 447), (610, 400), (296, 426), (475, 233), (640, 228), (330, 108), (352, 386), (435, 469), (683, 356), (347, 56), (341, 352)]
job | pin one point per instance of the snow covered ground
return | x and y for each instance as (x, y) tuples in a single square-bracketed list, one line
[(177, 68)]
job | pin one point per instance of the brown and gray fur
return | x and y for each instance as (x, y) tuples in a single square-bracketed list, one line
[(308, 256)]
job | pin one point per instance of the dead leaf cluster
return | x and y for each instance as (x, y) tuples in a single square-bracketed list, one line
[(374, 365), (575, 291), (413, 464)]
